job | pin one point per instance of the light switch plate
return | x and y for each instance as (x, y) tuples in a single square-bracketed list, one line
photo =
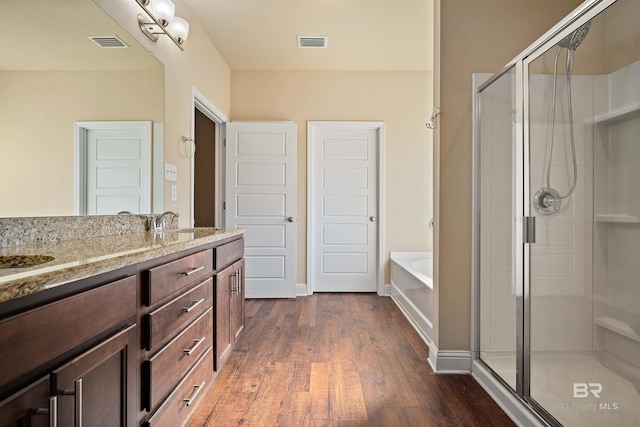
[(170, 172)]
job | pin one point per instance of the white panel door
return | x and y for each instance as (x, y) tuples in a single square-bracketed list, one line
[(118, 170), (343, 208), (261, 183)]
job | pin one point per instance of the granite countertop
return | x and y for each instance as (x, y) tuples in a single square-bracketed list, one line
[(82, 258)]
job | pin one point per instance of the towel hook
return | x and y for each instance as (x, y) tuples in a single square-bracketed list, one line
[(190, 146), (434, 118)]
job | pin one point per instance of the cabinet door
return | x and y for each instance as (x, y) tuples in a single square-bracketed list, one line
[(223, 309), (98, 387), (27, 408), (237, 300)]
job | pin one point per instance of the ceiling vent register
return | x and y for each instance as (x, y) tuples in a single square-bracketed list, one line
[(108, 41), (317, 42)]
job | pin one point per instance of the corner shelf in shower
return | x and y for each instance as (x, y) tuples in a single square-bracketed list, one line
[(630, 219), (619, 114), (617, 326)]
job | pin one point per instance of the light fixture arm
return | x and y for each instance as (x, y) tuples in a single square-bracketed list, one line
[(154, 28)]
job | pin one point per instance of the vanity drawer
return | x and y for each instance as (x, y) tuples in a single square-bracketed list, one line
[(32, 339), (163, 322), (180, 404), (166, 279), (164, 369), (228, 253)]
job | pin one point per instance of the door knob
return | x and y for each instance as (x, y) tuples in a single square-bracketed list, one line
[(291, 219), (372, 218)]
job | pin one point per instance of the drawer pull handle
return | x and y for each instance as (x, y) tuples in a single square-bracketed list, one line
[(51, 411), (189, 400), (195, 346), (193, 271), (77, 393), (233, 281), (193, 305)]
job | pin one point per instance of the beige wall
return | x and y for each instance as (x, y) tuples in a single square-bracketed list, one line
[(39, 109), (401, 99), (200, 65), (474, 37)]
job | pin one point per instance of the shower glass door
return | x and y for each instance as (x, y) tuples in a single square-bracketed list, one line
[(583, 290), (498, 251)]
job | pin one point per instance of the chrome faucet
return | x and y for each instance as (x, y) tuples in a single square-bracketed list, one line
[(157, 223), (163, 224)]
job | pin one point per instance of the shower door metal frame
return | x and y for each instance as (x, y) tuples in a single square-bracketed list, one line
[(530, 408), (571, 25)]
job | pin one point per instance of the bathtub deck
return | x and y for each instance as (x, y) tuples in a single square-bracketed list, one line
[(338, 360)]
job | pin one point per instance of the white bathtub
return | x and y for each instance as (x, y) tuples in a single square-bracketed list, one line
[(412, 289)]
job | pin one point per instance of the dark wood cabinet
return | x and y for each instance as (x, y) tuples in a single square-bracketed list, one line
[(230, 294), (63, 325), (82, 348), (30, 407), (98, 387), (138, 345), (177, 333), (223, 319), (237, 301)]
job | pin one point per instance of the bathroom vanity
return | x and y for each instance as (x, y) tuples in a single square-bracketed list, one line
[(127, 329)]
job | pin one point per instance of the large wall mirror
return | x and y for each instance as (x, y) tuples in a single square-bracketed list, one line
[(53, 75)]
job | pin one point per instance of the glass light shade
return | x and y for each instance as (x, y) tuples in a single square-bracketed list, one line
[(179, 29), (163, 11)]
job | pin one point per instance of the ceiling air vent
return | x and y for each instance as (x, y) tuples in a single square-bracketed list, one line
[(108, 41), (313, 41)]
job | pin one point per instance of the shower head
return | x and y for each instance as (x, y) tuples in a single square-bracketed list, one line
[(573, 40)]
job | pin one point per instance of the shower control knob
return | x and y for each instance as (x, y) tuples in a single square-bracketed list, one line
[(372, 218)]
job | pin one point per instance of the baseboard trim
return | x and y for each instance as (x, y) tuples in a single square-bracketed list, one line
[(449, 361), (420, 323), (515, 408), (386, 290), (302, 290)]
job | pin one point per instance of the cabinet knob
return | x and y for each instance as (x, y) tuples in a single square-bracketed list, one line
[(291, 219)]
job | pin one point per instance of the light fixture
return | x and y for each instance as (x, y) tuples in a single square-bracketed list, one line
[(160, 19), (179, 28)]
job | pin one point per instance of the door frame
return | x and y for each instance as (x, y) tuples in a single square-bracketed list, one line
[(378, 126), (206, 107), (156, 170)]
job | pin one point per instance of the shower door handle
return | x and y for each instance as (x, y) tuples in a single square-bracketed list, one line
[(529, 229)]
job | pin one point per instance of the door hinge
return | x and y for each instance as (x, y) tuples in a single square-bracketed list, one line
[(224, 142), (224, 205), (529, 229)]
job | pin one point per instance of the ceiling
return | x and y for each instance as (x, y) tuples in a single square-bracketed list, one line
[(362, 34), (250, 35), (53, 35)]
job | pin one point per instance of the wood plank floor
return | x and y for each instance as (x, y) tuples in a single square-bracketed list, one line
[(338, 360)]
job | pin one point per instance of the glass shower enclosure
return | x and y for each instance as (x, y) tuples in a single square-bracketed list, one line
[(557, 221)]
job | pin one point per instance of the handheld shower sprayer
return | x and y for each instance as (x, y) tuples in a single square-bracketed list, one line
[(547, 200)]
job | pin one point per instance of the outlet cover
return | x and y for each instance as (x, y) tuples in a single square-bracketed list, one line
[(174, 193)]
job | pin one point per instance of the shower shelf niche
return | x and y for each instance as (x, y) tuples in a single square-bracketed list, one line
[(616, 115), (629, 219)]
